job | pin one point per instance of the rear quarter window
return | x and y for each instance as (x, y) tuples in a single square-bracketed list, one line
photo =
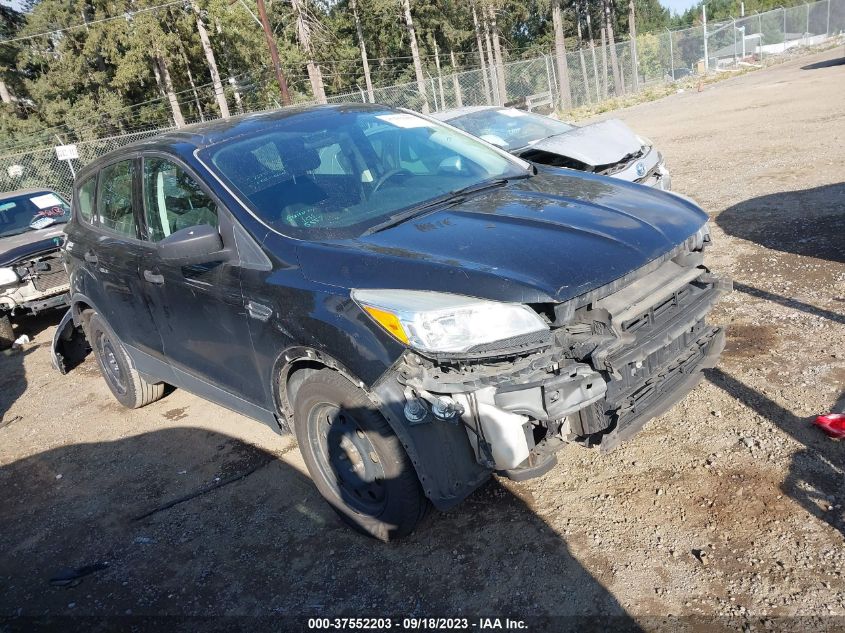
[(85, 199)]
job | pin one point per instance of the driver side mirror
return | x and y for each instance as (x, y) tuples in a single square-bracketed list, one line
[(193, 245)]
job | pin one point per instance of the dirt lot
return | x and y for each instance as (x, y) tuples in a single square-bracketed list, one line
[(731, 504)]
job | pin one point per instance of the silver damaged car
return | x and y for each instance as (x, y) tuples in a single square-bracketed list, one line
[(609, 147)]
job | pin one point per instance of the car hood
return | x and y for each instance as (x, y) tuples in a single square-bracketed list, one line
[(548, 238), (602, 143), (31, 243)]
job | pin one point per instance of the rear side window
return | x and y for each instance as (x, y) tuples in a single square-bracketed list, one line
[(114, 199), (85, 199), (173, 200)]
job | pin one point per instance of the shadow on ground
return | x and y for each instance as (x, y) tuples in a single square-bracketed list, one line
[(810, 222), (13, 381), (185, 521), (827, 63), (815, 474)]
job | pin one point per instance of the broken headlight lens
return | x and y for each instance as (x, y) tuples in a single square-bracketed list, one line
[(446, 323), (8, 277)]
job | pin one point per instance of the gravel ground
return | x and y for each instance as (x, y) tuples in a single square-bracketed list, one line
[(731, 504)]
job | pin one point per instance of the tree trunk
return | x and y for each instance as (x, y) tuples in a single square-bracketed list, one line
[(581, 55), (303, 34), (560, 57), (604, 63), (491, 60), (191, 82), (592, 50), (614, 61), (439, 75), (364, 59), (497, 51), (415, 54), (219, 94), (480, 44), (632, 32), (236, 93), (162, 74), (456, 85), (4, 92)]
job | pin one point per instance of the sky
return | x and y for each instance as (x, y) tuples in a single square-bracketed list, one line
[(678, 6)]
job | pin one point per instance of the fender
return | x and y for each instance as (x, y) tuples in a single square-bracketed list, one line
[(440, 452), (70, 345)]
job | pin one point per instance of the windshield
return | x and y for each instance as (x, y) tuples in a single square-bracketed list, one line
[(334, 173), (31, 212), (509, 128)]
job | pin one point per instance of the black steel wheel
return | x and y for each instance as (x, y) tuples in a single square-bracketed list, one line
[(128, 386), (356, 461)]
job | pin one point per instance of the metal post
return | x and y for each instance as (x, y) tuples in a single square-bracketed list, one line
[(808, 19), (760, 31), (671, 56), (784, 29), (827, 28), (734, 30), (704, 23), (549, 78)]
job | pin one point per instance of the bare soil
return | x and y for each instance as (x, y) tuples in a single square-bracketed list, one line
[(731, 504)]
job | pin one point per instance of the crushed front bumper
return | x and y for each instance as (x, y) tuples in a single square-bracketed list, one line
[(620, 360)]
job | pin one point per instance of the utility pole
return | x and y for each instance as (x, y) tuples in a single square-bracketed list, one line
[(704, 23), (274, 52)]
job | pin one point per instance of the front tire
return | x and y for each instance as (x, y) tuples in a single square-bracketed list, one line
[(126, 384), (355, 459)]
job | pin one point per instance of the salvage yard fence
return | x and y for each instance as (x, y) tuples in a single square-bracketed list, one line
[(657, 58)]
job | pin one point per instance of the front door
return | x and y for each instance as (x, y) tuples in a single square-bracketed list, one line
[(199, 309)]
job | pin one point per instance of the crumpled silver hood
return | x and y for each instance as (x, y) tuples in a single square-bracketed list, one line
[(601, 143)]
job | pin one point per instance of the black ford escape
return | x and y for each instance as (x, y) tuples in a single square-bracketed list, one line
[(419, 307)]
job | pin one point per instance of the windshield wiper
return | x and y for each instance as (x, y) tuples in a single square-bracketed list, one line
[(453, 197)]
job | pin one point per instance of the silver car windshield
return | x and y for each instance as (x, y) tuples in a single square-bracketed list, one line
[(509, 128), (329, 174)]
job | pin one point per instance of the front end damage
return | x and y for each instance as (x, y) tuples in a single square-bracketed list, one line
[(40, 283), (613, 359)]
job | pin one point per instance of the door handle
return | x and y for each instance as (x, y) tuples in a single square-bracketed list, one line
[(91, 257), (153, 278)]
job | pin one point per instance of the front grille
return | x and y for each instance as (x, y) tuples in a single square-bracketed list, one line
[(50, 279)]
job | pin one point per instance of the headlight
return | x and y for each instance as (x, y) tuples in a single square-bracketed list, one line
[(8, 277), (440, 322)]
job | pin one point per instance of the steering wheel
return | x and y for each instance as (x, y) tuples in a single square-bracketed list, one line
[(388, 175)]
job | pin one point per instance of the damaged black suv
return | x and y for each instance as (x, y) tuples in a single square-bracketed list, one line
[(419, 307)]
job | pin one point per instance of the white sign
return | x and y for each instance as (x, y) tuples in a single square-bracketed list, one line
[(66, 152), (46, 201)]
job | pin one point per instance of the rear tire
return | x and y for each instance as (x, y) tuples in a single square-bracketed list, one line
[(126, 384), (7, 334), (355, 459)]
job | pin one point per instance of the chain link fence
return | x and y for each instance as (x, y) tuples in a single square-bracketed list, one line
[(591, 78)]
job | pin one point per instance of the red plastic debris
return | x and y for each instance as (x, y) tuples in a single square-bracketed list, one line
[(833, 424)]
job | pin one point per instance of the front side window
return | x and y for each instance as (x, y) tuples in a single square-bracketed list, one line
[(334, 174), (509, 128), (114, 203), (31, 212), (173, 200)]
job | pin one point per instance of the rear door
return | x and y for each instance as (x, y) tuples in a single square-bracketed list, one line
[(199, 309)]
